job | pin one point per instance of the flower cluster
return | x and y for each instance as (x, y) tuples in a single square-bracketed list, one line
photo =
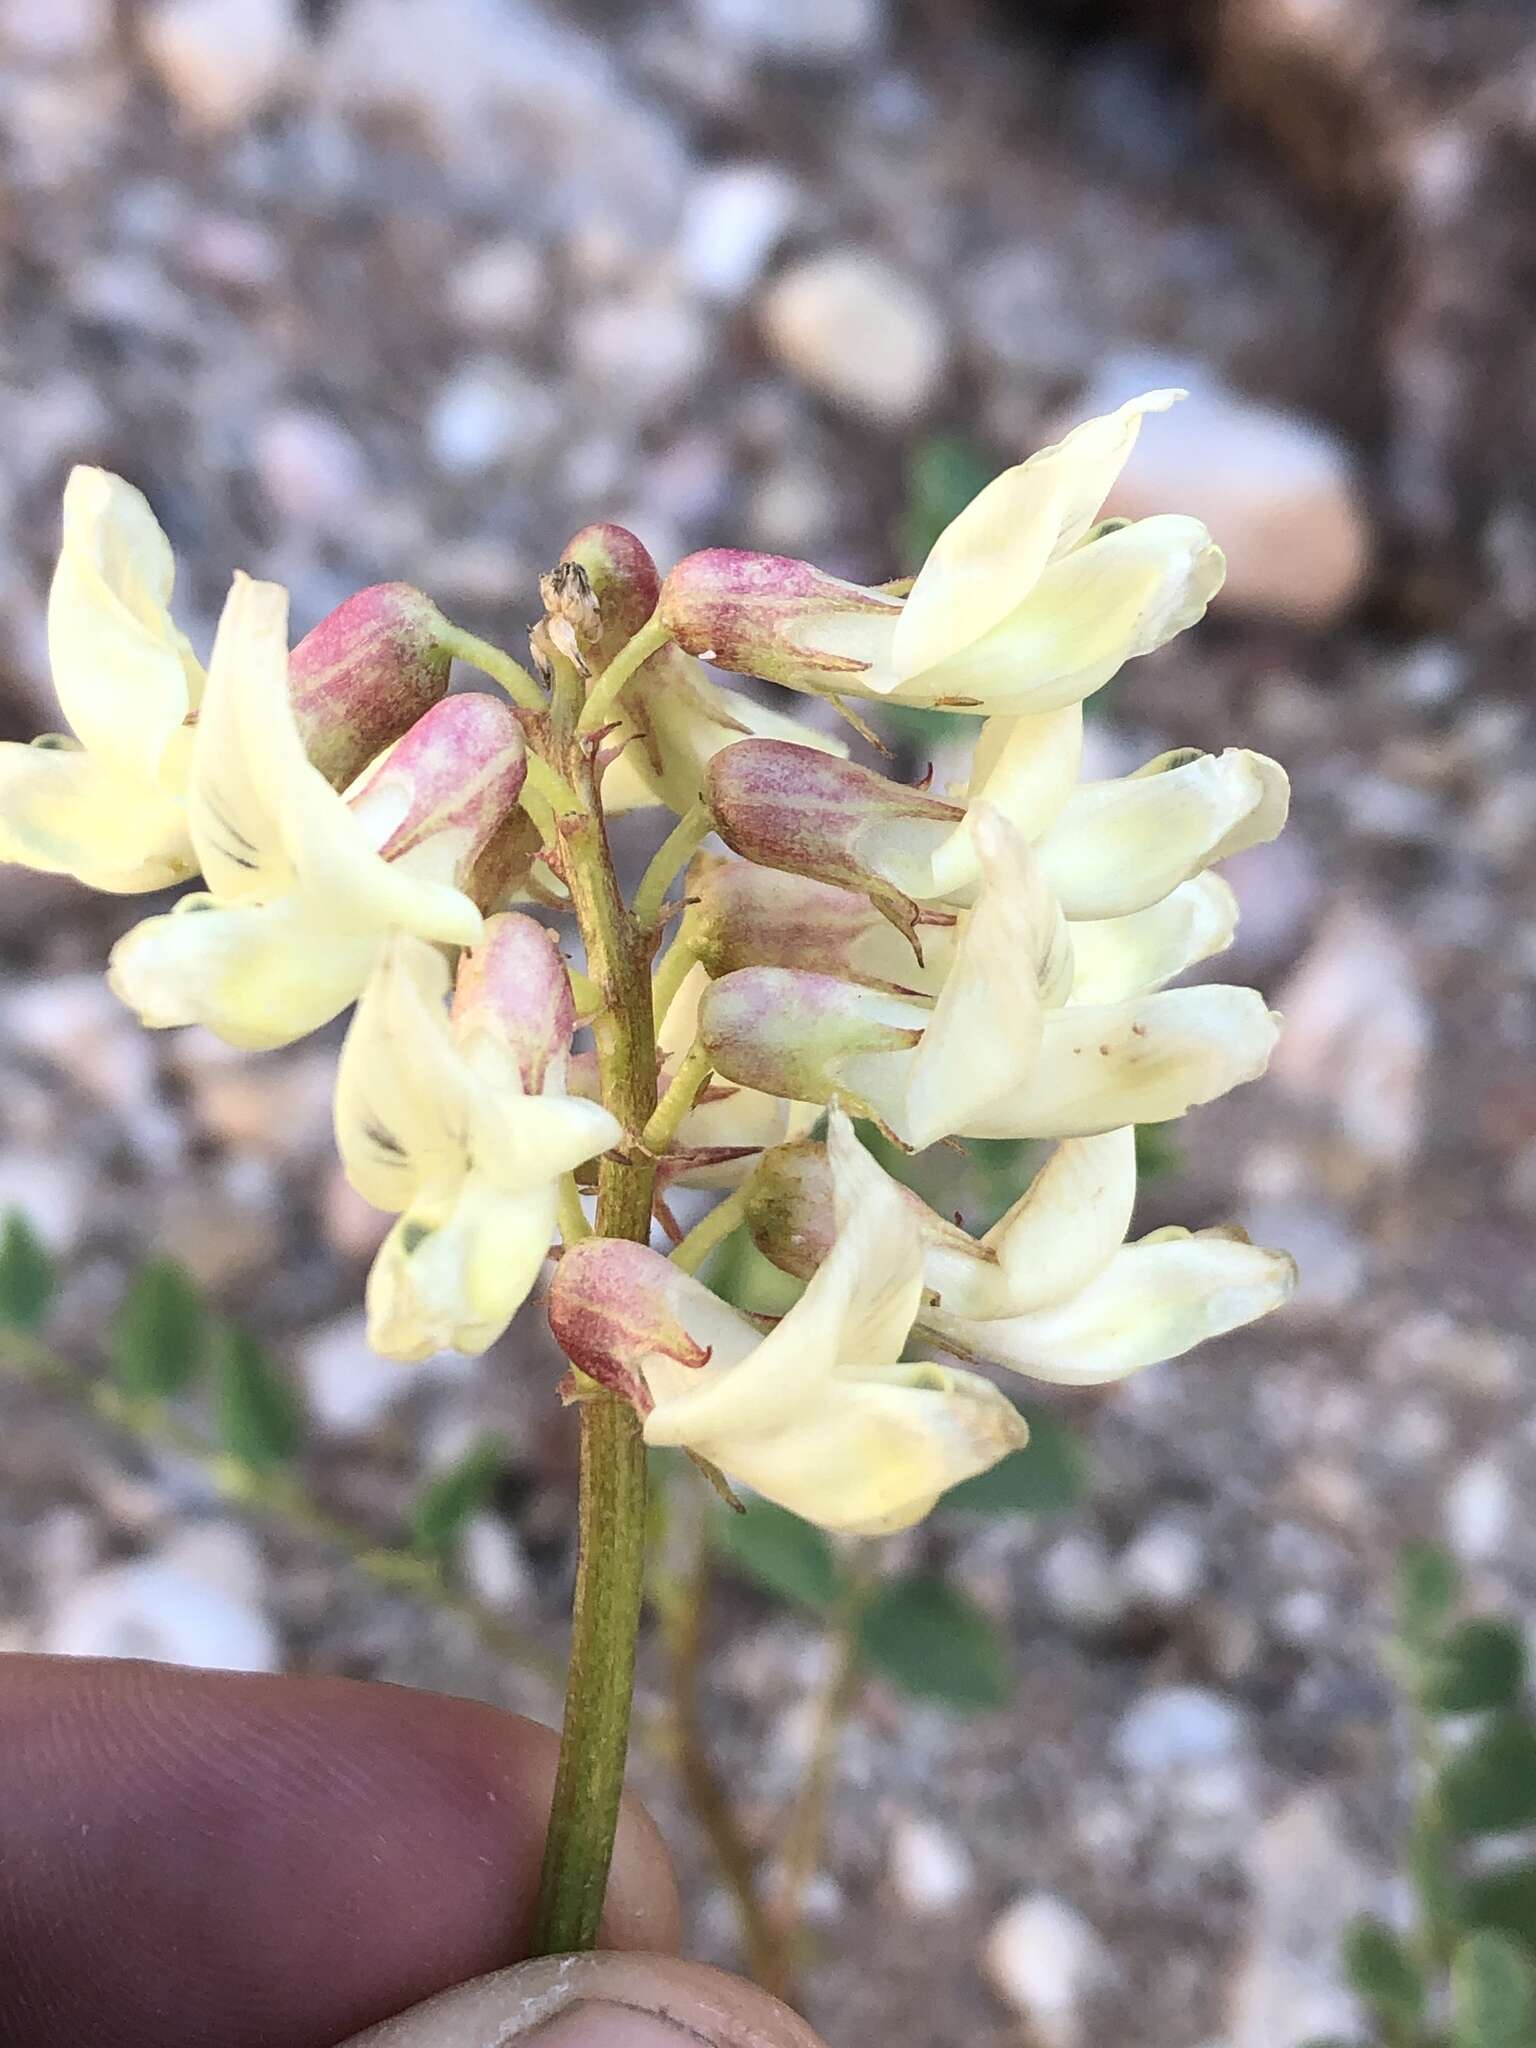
[(988, 961)]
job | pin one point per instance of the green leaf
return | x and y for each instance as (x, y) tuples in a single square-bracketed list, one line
[(1504, 1900), (28, 1275), (1477, 1669), (785, 1555), (1158, 1154), (944, 473), (1490, 1786), (448, 1500), (1428, 1587), (1050, 1475), (160, 1333), (936, 1644), (1383, 1973), (261, 1420), (1493, 1994)]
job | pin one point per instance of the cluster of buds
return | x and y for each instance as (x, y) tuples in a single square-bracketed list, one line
[(986, 961)]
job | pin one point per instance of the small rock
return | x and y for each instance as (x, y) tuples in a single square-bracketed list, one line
[(76, 1021), (1279, 888), (159, 1610), (1044, 1959), (733, 220), (490, 415), (311, 469), (501, 289), (56, 31), (1306, 1884), (858, 332), (222, 1553), (276, 1108), (804, 32), (1080, 1584), (642, 351), (347, 1384), (1331, 1257), (1164, 1566), (930, 1870), (49, 1189), (1173, 1728), (1479, 1505), (495, 1563), (222, 60), (1357, 1034), (1281, 494)]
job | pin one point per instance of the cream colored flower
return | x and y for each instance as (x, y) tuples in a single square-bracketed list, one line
[(1024, 605), (107, 806), (1011, 1044), (303, 884), (463, 1129), (819, 1414), (1052, 1290), (720, 1139)]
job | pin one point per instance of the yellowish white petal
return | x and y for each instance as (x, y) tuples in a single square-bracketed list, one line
[(1137, 1062), (125, 676), (265, 821), (258, 974), (1154, 1300), (66, 812), (451, 1277), (879, 1448), (1118, 846), (1120, 595), (989, 557), (1116, 957)]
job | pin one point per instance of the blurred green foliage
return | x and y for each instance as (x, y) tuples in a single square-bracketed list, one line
[(1463, 1975)]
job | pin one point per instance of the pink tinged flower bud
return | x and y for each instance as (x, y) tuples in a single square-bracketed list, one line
[(787, 621), (611, 1309), (790, 807), (447, 785), (514, 985), (742, 915), (803, 1036), (624, 581), (364, 674)]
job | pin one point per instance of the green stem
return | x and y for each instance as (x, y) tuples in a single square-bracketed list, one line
[(496, 663), (711, 1230), (603, 698), (683, 1091), (674, 968), (589, 1779), (571, 1216), (668, 862)]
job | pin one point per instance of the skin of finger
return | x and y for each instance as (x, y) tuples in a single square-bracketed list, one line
[(599, 2001), (227, 1861)]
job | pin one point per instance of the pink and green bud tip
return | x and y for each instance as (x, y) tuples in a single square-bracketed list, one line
[(611, 1308), (442, 791), (366, 673), (784, 620), (514, 985), (807, 813)]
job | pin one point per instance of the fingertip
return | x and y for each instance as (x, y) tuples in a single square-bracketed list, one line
[(599, 2001), (254, 1859)]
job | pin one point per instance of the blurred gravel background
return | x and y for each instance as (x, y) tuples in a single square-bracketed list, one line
[(377, 288)]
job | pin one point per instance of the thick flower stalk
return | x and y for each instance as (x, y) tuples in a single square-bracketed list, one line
[(815, 941)]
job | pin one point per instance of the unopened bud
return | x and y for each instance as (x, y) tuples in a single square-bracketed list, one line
[(514, 985), (742, 915), (790, 807), (450, 780), (790, 1209), (364, 674), (784, 620), (802, 1036), (611, 1309), (622, 583)]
